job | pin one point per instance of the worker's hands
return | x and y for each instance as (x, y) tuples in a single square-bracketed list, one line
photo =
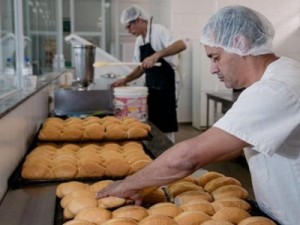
[(119, 189), (150, 61), (118, 83)]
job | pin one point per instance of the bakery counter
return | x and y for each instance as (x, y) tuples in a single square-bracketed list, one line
[(35, 205)]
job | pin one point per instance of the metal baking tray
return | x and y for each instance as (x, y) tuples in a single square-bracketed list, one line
[(16, 181)]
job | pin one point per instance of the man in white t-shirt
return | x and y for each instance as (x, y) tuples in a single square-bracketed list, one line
[(264, 121), (154, 44)]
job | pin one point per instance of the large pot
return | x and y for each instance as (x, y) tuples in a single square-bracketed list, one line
[(84, 58)]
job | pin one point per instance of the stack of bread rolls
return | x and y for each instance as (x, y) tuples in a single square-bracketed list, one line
[(67, 161), (93, 128), (211, 199)]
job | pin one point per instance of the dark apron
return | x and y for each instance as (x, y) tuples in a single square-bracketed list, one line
[(160, 81)]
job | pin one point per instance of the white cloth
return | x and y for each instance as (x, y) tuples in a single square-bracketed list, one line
[(267, 116)]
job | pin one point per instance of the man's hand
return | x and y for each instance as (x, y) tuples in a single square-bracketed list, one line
[(150, 61), (118, 83)]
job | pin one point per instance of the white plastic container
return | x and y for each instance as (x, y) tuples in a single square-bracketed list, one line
[(131, 101)]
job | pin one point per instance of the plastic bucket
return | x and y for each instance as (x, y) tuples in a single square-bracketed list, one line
[(131, 101)]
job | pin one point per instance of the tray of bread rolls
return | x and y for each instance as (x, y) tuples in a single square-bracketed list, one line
[(210, 199), (89, 161), (92, 128)]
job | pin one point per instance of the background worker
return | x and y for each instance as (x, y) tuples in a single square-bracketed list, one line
[(154, 43)]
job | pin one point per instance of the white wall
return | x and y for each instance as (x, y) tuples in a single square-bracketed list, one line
[(188, 18)]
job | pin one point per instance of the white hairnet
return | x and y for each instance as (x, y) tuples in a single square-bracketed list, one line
[(133, 12), (240, 30)]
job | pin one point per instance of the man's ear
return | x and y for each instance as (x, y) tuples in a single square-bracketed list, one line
[(241, 42)]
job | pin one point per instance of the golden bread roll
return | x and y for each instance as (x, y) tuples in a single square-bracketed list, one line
[(111, 202), (199, 205), (231, 202), (120, 221), (158, 220), (94, 215), (230, 191), (77, 222), (67, 214), (35, 170), (166, 209), (93, 132), (182, 186), (140, 164), (80, 203), (219, 182), (128, 120), (64, 170), (256, 220), (139, 124), (117, 167), (191, 218), (71, 134), (137, 132), (117, 126), (70, 147), (74, 194), (50, 133), (231, 214), (156, 196), (116, 134), (188, 196), (131, 211), (208, 176), (68, 187), (216, 222), (131, 144), (95, 187), (91, 169)]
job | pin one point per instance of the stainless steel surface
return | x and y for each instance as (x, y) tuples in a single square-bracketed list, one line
[(29, 206), (76, 103), (84, 57)]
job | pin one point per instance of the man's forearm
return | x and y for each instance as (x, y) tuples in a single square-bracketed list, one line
[(173, 49), (136, 73)]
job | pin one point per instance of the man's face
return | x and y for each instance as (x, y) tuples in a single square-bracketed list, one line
[(133, 27), (227, 66)]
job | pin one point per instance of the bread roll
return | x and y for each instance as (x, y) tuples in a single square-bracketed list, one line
[(158, 220), (206, 177), (191, 218), (68, 187), (137, 132), (231, 202), (94, 215), (230, 191), (256, 220), (35, 170), (64, 170), (111, 202), (95, 187), (80, 203), (50, 133), (77, 222), (188, 196), (131, 211), (117, 167), (231, 214), (165, 209), (93, 132), (216, 222), (140, 164), (91, 169), (219, 182), (199, 205), (120, 221), (182, 186), (74, 194), (157, 196), (115, 134)]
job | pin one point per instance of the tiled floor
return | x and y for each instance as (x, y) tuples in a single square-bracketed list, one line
[(236, 168)]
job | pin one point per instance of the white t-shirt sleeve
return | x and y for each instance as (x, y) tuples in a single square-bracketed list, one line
[(264, 115)]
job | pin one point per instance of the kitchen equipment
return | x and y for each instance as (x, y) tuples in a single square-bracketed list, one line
[(82, 103), (103, 64), (84, 57)]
